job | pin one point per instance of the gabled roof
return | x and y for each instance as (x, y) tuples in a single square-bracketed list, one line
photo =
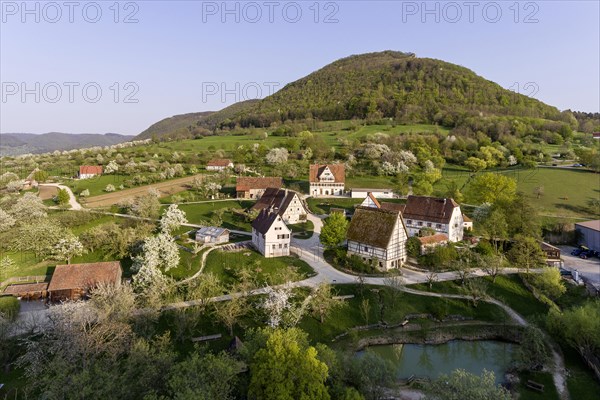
[(466, 218), (219, 162), (393, 206), (276, 199), (437, 238), (244, 184), (431, 209), (264, 221), (338, 171), (372, 198), (90, 169), (83, 276), (211, 231), (373, 226)]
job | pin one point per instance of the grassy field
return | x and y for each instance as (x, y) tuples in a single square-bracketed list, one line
[(303, 230), (225, 264), (203, 212), (566, 191), (545, 379)]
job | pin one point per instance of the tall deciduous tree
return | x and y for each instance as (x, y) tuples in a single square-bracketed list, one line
[(527, 253), (491, 188), (323, 302), (287, 368), (67, 248), (172, 219), (29, 207), (334, 230)]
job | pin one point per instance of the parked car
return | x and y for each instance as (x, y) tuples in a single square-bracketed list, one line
[(578, 165), (576, 252), (588, 253)]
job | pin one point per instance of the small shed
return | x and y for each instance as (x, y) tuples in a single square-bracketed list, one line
[(212, 234), (428, 243), (28, 291), (552, 254)]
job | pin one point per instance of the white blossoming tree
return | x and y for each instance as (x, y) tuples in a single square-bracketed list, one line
[(109, 188), (172, 219), (29, 207), (159, 252), (67, 248), (111, 168), (7, 266), (6, 221), (277, 155)]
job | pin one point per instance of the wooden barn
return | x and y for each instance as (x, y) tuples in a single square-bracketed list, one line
[(74, 281)]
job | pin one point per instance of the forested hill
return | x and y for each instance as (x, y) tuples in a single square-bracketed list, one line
[(21, 143), (380, 85), (393, 85)]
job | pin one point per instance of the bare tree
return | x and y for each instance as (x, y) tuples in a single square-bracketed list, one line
[(431, 277), (395, 284), (493, 265), (476, 289)]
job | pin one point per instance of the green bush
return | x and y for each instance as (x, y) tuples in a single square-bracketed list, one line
[(9, 307)]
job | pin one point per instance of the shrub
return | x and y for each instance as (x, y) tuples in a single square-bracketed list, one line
[(109, 188), (9, 307)]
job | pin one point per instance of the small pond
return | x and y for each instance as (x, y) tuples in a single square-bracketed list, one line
[(433, 360)]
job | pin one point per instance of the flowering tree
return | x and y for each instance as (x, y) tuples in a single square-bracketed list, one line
[(280, 308), (109, 188), (6, 221), (172, 219), (85, 193), (111, 168), (29, 207), (158, 252), (7, 266), (67, 248), (277, 155)]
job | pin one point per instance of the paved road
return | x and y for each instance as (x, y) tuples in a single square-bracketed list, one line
[(589, 268)]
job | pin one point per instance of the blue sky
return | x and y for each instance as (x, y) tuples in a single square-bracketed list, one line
[(179, 55)]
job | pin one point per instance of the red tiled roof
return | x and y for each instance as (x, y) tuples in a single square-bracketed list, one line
[(437, 238), (219, 162), (82, 276), (374, 200), (25, 288), (244, 184), (466, 218), (90, 169), (338, 171), (431, 209)]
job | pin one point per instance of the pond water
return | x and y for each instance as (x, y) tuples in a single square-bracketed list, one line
[(433, 360)]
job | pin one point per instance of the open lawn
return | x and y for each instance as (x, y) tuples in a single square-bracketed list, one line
[(201, 213), (268, 270), (565, 191), (545, 379), (302, 230), (324, 205)]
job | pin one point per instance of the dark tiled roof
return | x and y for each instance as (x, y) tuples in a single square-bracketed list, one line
[(219, 162), (393, 206), (263, 222), (90, 169), (278, 199), (372, 226), (246, 183), (432, 209), (338, 171), (83, 276)]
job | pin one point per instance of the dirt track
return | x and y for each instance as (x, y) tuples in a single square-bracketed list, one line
[(166, 188), (47, 192)]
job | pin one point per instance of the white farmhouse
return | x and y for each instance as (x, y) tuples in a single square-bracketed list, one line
[(89, 171), (270, 235), (327, 180), (357, 193), (284, 202), (441, 215), (378, 234)]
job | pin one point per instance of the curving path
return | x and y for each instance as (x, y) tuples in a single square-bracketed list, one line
[(72, 199)]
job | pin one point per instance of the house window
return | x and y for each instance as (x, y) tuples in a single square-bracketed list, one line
[(420, 223), (438, 226), (429, 224), (409, 221), (280, 245), (366, 248), (273, 247), (285, 245)]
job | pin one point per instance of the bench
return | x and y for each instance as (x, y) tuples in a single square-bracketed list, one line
[(535, 386), (206, 338), (404, 323)]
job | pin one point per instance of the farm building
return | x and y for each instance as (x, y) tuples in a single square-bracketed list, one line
[(219, 164), (253, 188), (590, 234), (284, 202), (74, 281), (441, 215), (377, 193), (327, 180), (378, 234), (428, 243), (552, 254), (212, 234), (467, 223), (370, 201), (270, 235), (29, 291), (89, 171)]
